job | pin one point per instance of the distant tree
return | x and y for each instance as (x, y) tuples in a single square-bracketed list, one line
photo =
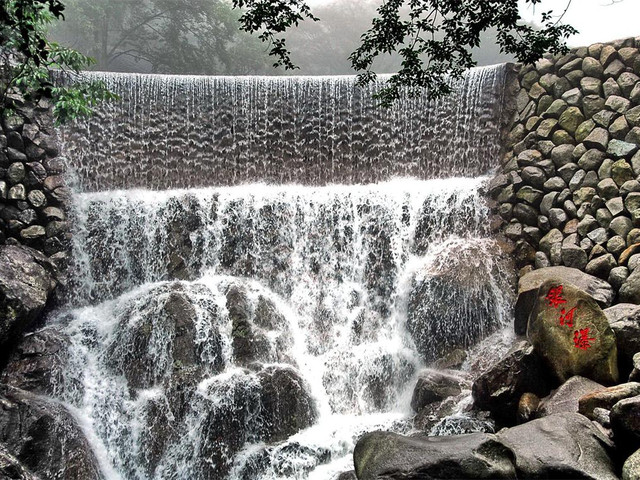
[(27, 60), (161, 36), (434, 38)]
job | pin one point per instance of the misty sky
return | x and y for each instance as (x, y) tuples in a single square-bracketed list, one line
[(597, 20)]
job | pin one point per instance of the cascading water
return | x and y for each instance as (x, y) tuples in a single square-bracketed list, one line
[(255, 331), (171, 131)]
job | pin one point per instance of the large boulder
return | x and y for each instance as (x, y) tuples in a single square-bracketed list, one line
[(44, 437), (571, 333), (625, 322), (564, 445), (385, 455), (567, 396), (529, 284), (499, 389), (27, 278), (606, 398), (625, 423), (456, 298)]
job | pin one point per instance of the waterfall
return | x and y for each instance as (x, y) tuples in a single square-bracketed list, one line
[(262, 266), (171, 131)]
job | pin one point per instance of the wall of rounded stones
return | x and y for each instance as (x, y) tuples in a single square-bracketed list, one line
[(569, 187), (32, 191)]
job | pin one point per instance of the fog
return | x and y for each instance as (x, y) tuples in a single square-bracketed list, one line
[(203, 37)]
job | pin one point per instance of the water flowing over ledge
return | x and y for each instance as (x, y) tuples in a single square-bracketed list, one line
[(173, 131)]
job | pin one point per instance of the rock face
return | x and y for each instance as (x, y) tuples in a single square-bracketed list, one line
[(387, 455), (44, 438), (529, 284), (499, 390), (571, 333), (11, 468), (564, 445), (578, 129), (26, 280), (33, 196)]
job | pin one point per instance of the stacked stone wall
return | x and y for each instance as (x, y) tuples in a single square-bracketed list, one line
[(569, 187), (32, 191)]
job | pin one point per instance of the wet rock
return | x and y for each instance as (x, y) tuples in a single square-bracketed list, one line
[(564, 445), (286, 404), (606, 398), (44, 437), (499, 389), (26, 279), (571, 333), (434, 386), (384, 454), (436, 330), (529, 284), (566, 398), (38, 362), (625, 423), (163, 321)]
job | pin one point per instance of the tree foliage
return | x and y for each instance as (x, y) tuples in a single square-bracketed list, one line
[(27, 60), (161, 36), (434, 38)]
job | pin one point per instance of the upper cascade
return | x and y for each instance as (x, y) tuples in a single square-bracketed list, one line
[(170, 131)]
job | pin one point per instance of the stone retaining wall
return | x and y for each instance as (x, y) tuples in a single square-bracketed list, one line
[(32, 191), (569, 189)]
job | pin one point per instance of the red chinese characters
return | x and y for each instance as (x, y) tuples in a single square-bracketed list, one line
[(581, 339), (555, 296), (566, 318)]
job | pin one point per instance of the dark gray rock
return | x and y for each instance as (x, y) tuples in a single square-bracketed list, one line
[(564, 445), (625, 322), (601, 266), (379, 455), (634, 376), (11, 468)]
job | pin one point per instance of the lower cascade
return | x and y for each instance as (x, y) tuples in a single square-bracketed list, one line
[(257, 332)]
